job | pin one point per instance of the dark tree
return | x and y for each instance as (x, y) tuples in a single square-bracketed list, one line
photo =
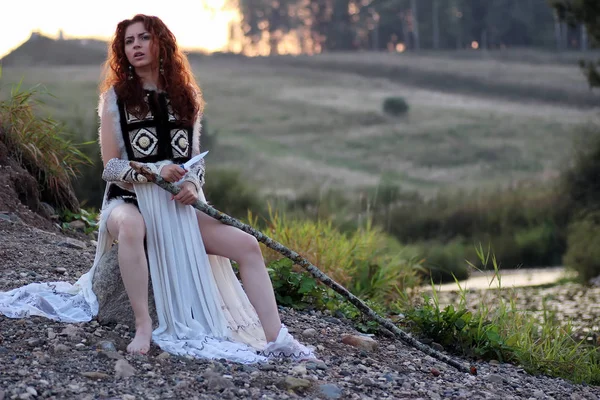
[(586, 13)]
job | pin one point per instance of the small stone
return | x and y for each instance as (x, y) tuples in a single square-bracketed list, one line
[(182, 385), (51, 334), (60, 270), (367, 381), (435, 372), (163, 356), (80, 346), (73, 244), (34, 342), (95, 375), (4, 216), (1, 394), (539, 394), (216, 381), (267, 367), (128, 397), (495, 378), (389, 377), (391, 347), (43, 382), (309, 333), (77, 225), (31, 391), (72, 332), (437, 346), (294, 384), (432, 395), (321, 365), (494, 362), (123, 369), (361, 342), (299, 370), (330, 391), (106, 345)]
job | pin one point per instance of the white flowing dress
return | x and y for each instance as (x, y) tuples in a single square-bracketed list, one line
[(201, 307)]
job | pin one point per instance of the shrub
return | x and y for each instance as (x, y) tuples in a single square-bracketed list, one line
[(42, 147), (293, 288), (540, 245), (495, 328), (395, 106), (444, 262), (226, 191), (366, 261), (583, 247), (524, 225), (580, 181)]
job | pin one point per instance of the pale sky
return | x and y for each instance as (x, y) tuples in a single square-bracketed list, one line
[(194, 26)]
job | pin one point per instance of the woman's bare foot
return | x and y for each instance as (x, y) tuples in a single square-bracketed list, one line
[(143, 334)]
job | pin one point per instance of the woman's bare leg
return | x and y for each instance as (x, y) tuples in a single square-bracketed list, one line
[(127, 225), (227, 241)]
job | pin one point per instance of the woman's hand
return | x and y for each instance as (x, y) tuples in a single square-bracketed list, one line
[(172, 173), (187, 195)]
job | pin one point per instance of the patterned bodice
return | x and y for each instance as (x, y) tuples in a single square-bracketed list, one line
[(159, 135)]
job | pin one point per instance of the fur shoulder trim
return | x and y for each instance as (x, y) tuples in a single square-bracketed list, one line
[(108, 99), (108, 102), (197, 131)]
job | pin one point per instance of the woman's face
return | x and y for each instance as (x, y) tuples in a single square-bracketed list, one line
[(138, 46)]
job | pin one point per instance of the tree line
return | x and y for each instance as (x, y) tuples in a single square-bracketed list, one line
[(346, 25)]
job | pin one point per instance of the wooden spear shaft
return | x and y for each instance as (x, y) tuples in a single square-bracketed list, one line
[(316, 272)]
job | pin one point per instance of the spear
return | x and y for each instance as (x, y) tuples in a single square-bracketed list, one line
[(304, 263)]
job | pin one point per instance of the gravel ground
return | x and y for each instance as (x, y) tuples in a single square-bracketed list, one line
[(40, 358)]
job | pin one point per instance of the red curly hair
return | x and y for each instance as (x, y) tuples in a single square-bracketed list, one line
[(177, 79)]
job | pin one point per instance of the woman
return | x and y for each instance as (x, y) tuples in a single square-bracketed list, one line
[(150, 111)]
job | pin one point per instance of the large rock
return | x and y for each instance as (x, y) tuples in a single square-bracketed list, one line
[(114, 306)]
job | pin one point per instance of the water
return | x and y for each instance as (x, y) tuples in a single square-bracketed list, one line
[(508, 279)]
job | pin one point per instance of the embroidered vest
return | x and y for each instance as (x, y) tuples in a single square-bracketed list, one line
[(159, 135)]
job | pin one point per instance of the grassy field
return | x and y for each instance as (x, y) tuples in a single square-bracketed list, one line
[(294, 124)]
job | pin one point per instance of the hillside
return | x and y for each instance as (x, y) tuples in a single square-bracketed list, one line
[(517, 75), (43, 51), (296, 124)]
